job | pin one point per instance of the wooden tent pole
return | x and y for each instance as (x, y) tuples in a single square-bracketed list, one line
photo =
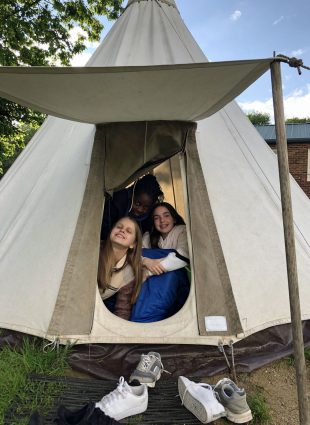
[(288, 225)]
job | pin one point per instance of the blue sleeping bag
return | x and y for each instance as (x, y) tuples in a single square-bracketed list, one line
[(160, 296)]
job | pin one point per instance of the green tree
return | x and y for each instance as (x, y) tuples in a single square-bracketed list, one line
[(37, 33), (297, 120), (11, 146), (259, 118)]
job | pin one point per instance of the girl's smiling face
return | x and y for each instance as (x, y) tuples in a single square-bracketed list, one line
[(163, 220), (141, 204), (123, 233)]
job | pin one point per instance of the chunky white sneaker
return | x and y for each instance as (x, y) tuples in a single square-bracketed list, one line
[(200, 400), (233, 399), (148, 370), (124, 401)]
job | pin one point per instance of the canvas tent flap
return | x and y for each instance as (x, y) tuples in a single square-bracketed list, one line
[(74, 308), (216, 307), (186, 92), (143, 144)]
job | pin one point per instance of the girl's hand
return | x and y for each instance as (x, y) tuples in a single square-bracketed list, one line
[(154, 266)]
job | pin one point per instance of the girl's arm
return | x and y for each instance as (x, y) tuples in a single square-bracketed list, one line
[(154, 266), (172, 262), (163, 265)]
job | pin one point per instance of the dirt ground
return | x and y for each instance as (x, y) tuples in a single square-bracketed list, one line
[(277, 382)]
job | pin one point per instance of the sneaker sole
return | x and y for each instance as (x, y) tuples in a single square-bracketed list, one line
[(152, 384), (195, 406), (239, 418), (129, 412), (149, 384)]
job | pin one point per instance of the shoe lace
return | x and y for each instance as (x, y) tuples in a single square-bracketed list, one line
[(146, 362), (119, 392), (200, 384)]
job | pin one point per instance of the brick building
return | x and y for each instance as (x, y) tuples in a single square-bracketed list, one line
[(298, 141)]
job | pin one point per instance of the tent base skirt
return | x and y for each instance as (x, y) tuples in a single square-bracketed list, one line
[(109, 361)]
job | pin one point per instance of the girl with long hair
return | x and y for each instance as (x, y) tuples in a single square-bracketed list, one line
[(165, 256), (120, 268), (168, 232)]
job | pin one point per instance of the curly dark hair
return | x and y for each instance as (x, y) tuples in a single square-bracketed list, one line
[(154, 234), (148, 184)]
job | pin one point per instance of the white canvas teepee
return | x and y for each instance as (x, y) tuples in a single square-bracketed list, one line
[(235, 224)]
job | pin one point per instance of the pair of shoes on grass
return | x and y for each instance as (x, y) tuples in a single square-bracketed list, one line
[(208, 403)]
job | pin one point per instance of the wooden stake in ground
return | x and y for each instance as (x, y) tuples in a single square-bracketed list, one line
[(300, 364)]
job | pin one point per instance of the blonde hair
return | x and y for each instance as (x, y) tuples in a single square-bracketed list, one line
[(133, 258)]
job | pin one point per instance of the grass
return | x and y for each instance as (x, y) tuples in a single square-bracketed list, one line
[(18, 393), (291, 359), (307, 354), (259, 408), (135, 420)]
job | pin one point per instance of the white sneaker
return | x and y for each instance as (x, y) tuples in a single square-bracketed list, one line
[(200, 400), (124, 401)]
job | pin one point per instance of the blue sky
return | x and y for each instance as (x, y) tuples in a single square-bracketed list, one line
[(248, 29)]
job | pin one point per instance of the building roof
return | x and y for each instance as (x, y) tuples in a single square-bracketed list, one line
[(297, 132)]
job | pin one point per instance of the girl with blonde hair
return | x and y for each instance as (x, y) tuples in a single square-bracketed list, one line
[(120, 268)]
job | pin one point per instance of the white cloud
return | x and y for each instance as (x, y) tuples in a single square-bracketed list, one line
[(297, 92), (277, 21), (81, 59), (297, 104), (258, 106), (236, 15), (297, 52)]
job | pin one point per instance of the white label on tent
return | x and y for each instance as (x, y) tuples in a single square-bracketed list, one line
[(215, 323)]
